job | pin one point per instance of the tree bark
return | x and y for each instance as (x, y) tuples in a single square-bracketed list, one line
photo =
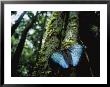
[(17, 54), (51, 43), (14, 26), (70, 38)]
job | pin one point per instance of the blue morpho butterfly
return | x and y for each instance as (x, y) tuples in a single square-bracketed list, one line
[(75, 51)]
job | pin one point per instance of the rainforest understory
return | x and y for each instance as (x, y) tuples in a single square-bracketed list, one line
[(55, 44)]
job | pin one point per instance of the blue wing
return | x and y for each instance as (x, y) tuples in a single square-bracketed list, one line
[(58, 58), (76, 52)]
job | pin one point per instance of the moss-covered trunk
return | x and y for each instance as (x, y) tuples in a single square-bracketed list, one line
[(71, 38), (61, 33)]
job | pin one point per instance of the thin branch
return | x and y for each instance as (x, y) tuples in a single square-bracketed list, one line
[(14, 26)]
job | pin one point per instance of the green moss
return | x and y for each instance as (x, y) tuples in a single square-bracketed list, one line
[(51, 43), (71, 32), (69, 43)]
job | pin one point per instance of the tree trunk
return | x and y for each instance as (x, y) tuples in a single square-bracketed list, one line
[(17, 54), (14, 26), (70, 38), (50, 42)]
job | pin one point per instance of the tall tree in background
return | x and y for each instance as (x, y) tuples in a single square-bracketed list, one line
[(17, 54), (14, 26), (43, 25)]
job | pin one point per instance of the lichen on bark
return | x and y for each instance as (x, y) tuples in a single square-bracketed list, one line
[(71, 31), (51, 42)]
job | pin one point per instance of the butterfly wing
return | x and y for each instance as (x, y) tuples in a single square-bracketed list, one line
[(76, 52), (58, 58)]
